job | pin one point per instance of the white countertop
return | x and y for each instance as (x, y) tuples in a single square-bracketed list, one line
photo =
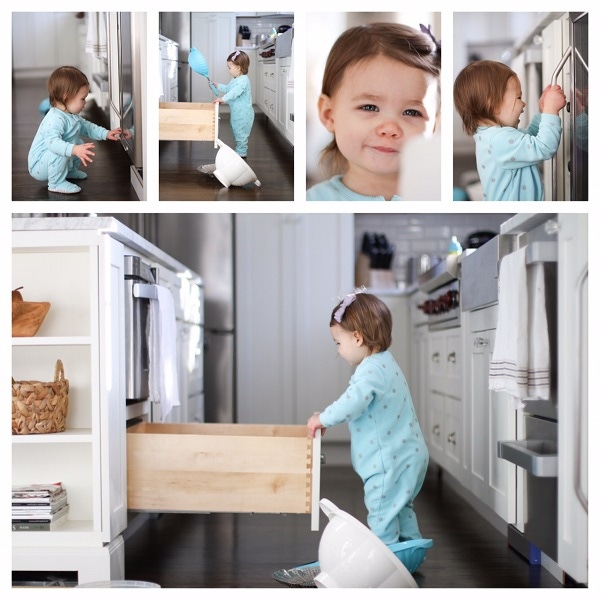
[(109, 226)]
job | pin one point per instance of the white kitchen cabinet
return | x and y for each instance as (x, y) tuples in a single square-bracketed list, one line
[(268, 84), (285, 98), (290, 272), (169, 69), (213, 35), (490, 418), (44, 41), (81, 274), (444, 414)]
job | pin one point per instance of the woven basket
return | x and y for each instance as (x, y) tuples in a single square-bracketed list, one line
[(39, 407)]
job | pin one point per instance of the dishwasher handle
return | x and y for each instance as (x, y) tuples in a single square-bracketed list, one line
[(538, 457)]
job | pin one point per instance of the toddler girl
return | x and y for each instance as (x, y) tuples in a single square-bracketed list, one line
[(57, 150), (238, 94), (387, 446), (380, 88), (487, 96)]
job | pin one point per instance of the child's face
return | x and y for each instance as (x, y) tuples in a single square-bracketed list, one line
[(350, 345), (379, 105), (76, 104), (512, 106), (233, 69)]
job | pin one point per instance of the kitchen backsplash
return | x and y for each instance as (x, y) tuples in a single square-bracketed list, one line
[(416, 234)]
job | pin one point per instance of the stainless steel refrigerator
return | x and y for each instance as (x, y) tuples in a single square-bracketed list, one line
[(205, 243)]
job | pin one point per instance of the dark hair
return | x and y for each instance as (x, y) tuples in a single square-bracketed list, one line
[(371, 317), (64, 83), (366, 42), (479, 91), (240, 59)]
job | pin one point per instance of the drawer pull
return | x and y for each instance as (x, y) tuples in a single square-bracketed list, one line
[(480, 342), (435, 357), (436, 430), (451, 357), (451, 438)]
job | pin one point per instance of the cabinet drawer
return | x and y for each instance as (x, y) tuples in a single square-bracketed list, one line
[(195, 121), (213, 467), (268, 75)]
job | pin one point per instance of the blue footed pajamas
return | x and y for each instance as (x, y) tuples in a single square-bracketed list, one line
[(238, 94), (508, 158), (51, 155), (387, 446)]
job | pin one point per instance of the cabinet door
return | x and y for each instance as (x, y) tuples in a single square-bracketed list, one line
[(290, 270), (453, 436), (491, 418), (418, 373), (435, 427), (213, 34)]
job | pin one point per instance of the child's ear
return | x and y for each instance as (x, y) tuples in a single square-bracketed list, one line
[(325, 107), (358, 338)]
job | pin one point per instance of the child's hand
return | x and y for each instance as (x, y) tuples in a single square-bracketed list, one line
[(114, 134), (313, 424), (218, 101), (84, 153), (553, 100)]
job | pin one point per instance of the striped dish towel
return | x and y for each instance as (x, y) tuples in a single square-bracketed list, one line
[(520, 362)]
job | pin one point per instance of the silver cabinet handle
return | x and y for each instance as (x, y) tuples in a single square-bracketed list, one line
[(451, 358), (435, 357), (451, 439), (436, 430), (480, 342)]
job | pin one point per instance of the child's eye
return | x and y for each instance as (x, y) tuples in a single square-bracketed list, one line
[(411, 112), (369, 107)]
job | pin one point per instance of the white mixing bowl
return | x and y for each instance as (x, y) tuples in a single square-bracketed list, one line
[(231, 168), (352, 556)]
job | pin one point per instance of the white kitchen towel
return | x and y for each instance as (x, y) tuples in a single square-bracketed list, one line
[(95, 42), (520, 362), (162, 337)]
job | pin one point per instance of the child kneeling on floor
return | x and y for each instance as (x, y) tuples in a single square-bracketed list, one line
[(57, 150)]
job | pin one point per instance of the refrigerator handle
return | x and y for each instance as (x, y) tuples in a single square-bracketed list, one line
[(558, 69), (580, 424)]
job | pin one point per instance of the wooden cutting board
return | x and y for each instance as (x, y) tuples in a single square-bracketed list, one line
[(28, 317)]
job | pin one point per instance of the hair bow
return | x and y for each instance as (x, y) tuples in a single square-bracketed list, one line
[(346, 302), (237, 53), (427, 31)]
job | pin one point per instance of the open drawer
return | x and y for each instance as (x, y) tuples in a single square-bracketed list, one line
[(214, 467), (188, 121)]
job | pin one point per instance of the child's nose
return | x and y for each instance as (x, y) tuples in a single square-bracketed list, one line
[(389, 127)]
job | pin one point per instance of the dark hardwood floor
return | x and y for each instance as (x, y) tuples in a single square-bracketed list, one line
[(243, 551), (109, 176), (269, 155)]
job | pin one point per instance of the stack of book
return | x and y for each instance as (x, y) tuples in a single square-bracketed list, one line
[(39, 507)]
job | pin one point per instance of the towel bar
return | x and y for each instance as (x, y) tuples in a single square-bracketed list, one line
[(542, 252)]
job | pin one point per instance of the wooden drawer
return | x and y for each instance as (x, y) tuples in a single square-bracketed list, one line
[(192, 121), (214, 467)]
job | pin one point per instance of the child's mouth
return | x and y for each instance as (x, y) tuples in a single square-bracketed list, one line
[(384, 149)]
